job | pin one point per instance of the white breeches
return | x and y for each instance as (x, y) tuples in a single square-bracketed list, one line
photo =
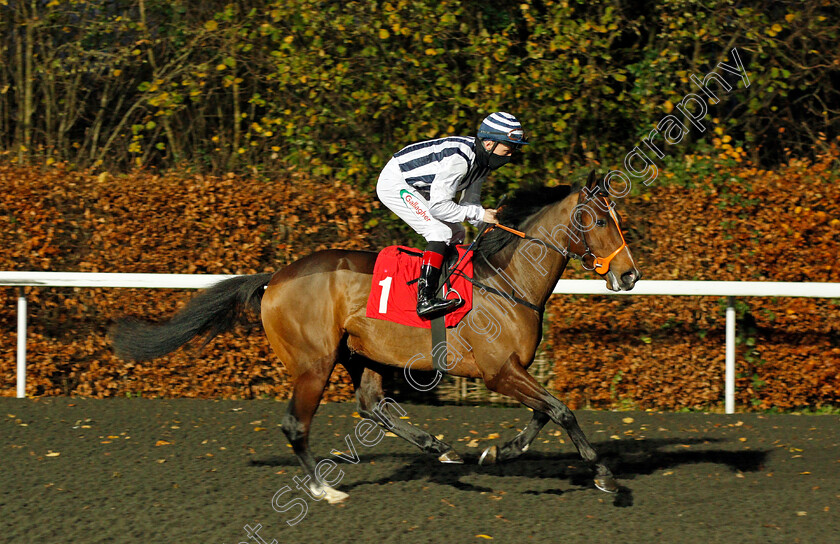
[(411, 207)]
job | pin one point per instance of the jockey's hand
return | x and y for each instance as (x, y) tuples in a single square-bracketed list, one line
[(490, 216)]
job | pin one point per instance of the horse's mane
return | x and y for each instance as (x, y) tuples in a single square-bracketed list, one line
[(516, 212)]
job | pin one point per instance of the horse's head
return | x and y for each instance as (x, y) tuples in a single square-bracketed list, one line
[(601, 243), (566, 223)]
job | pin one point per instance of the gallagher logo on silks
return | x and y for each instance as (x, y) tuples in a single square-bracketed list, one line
[(411, 201)]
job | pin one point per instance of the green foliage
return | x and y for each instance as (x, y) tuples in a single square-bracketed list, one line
[(336, 87)]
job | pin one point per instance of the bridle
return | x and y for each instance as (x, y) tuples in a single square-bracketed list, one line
[(601, 265)]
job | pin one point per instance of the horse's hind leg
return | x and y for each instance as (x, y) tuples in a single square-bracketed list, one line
[(518, 444), (514, 381), (306, 396), (373, 405)]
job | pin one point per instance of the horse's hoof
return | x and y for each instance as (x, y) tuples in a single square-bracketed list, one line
[(451, 457), (606, 484), (489, 456), (333, 496)]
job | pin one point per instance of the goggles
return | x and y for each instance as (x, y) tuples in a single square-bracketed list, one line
[(516, 135)]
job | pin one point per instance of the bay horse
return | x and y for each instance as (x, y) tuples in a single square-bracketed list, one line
[(313, 313)]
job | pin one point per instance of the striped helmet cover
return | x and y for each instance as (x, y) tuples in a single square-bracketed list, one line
[(502, 127)]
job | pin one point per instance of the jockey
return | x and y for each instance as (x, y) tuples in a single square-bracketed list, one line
[(420, 183)]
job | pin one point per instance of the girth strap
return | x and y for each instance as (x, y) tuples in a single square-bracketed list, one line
[(439, 350)]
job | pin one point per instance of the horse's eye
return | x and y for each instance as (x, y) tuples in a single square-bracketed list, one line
[(600, 222)]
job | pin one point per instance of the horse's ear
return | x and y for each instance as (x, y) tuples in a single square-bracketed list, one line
[(593, 180)]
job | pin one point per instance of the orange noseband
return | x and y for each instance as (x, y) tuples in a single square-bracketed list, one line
[(602, 265)]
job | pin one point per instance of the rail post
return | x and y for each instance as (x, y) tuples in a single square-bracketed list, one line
[(21, 344), (729, 386)]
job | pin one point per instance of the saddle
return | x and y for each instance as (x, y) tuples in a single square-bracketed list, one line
[(393, 292)]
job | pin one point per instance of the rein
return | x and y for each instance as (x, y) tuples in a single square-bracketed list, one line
[(564, 252), (599, 265)]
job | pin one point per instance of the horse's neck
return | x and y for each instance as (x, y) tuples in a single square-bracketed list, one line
[(533, 270)]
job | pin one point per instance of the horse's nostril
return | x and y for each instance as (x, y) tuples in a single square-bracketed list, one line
[(628, 278)]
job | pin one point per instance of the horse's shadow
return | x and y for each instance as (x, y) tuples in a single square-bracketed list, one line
[(628, 459)]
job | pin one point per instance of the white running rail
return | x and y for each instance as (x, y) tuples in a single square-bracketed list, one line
[(730, 289)]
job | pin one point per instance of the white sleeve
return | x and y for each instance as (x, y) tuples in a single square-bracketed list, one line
[(442, 203)]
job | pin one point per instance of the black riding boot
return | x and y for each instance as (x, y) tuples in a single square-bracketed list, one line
[(427, 305)]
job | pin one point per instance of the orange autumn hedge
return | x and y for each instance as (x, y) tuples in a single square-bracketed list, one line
[(64, 221), (732, 222)]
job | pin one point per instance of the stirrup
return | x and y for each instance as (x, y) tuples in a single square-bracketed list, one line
[(436, 306)]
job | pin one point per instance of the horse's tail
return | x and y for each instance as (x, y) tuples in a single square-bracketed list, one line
[(212, 312)]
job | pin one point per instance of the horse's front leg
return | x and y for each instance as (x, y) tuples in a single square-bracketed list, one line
[(514, 381), (518, 444)]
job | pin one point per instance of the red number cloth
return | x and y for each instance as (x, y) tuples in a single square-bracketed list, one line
[(401, 303)]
